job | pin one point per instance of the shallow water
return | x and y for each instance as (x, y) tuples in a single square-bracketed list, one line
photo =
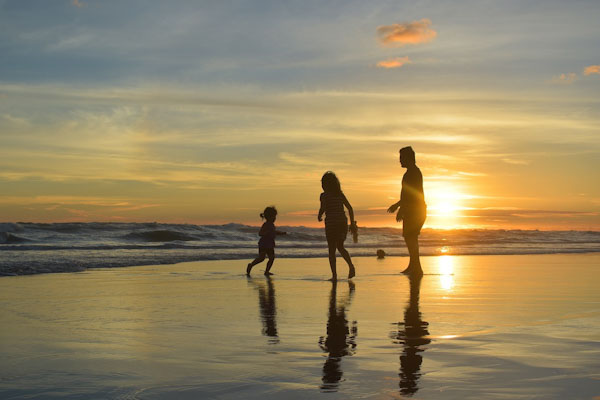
[(475, 327)]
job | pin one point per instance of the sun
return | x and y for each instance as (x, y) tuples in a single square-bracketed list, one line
[(445, 205)]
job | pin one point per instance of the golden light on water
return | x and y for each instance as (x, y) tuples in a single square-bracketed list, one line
[(446, 271)]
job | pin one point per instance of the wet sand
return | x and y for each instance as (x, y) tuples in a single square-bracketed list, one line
[(493, 327)]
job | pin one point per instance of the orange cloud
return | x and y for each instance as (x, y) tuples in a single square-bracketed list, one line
[(592, 69), (77, 3), (407, 33), (565, 78), (395, 62)]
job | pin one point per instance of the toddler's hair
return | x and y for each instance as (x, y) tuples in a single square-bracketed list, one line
[(269, 212), (331, 183)]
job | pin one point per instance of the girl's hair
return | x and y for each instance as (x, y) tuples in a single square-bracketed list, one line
[(331, 183), (269, 212)]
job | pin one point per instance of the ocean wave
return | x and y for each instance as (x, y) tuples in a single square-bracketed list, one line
[(10, 227), (85, 245), (9, 238), (161, 236)]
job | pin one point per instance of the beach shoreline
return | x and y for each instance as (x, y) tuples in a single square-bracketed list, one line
[(60, 269)]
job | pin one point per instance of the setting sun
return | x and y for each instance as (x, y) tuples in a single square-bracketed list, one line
[(445, 204)]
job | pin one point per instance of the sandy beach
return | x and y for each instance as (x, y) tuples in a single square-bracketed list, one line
[(474, 327)]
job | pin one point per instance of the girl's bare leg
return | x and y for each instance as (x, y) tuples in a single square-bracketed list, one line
[(346, 256), (332, 260)]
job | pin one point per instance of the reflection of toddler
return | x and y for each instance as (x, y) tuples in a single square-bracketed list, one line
[(266, 244)]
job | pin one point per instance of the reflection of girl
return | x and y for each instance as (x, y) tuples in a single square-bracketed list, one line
[(266, 244), (340, 340), (333, 201)]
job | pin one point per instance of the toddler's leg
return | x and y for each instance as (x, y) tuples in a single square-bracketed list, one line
[(257, 260), (271, 255)]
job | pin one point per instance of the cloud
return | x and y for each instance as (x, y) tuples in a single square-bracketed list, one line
[(395, 62), (77, 3), (15, 121), (515, 162), (415, 32), (565, 79), (592, 69)]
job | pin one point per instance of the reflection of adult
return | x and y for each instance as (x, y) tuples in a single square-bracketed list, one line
[(412, 209), (340, 340), (412, 335)]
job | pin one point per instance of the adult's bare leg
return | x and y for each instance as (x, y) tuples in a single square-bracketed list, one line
[(414, 265)]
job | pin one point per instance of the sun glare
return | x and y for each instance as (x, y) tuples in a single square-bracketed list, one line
[(445, 204)]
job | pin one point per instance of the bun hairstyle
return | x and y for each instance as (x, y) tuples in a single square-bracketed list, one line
[(269, 212), (331, 183)]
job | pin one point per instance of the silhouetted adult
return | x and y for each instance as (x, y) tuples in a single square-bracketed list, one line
[(340, 340), (412, 209), (412, 335)]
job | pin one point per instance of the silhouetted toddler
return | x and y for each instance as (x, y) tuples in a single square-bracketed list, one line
[(266, 244)]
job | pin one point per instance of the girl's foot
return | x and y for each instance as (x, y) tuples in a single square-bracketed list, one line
[(248, 269), (352, 272), (267, 273)]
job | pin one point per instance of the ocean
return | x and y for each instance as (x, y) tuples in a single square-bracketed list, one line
[(29, 248)]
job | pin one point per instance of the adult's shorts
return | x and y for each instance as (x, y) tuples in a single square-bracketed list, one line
[(413, 220)]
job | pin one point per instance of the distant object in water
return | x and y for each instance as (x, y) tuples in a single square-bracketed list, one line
[(380, 254)]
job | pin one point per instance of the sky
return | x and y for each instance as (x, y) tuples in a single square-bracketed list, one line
[(207, 112)]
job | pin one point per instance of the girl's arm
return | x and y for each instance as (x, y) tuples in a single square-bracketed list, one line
[(350, 210), (321, 210)]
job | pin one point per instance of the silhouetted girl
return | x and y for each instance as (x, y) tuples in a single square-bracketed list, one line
[(333, 201), (266, 244)]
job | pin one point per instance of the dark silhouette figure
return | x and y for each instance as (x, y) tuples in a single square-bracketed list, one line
[(340, 340), (333, 201), (268, 311), (266, 244), (412, 335), (412, 209)]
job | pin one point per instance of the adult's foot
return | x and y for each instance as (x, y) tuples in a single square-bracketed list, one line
[(248, 269), (407, 271), (333, 278), (352, 272), (416, 273), (267, 273)]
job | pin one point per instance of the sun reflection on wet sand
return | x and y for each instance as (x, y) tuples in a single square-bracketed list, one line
[(446, 271)]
